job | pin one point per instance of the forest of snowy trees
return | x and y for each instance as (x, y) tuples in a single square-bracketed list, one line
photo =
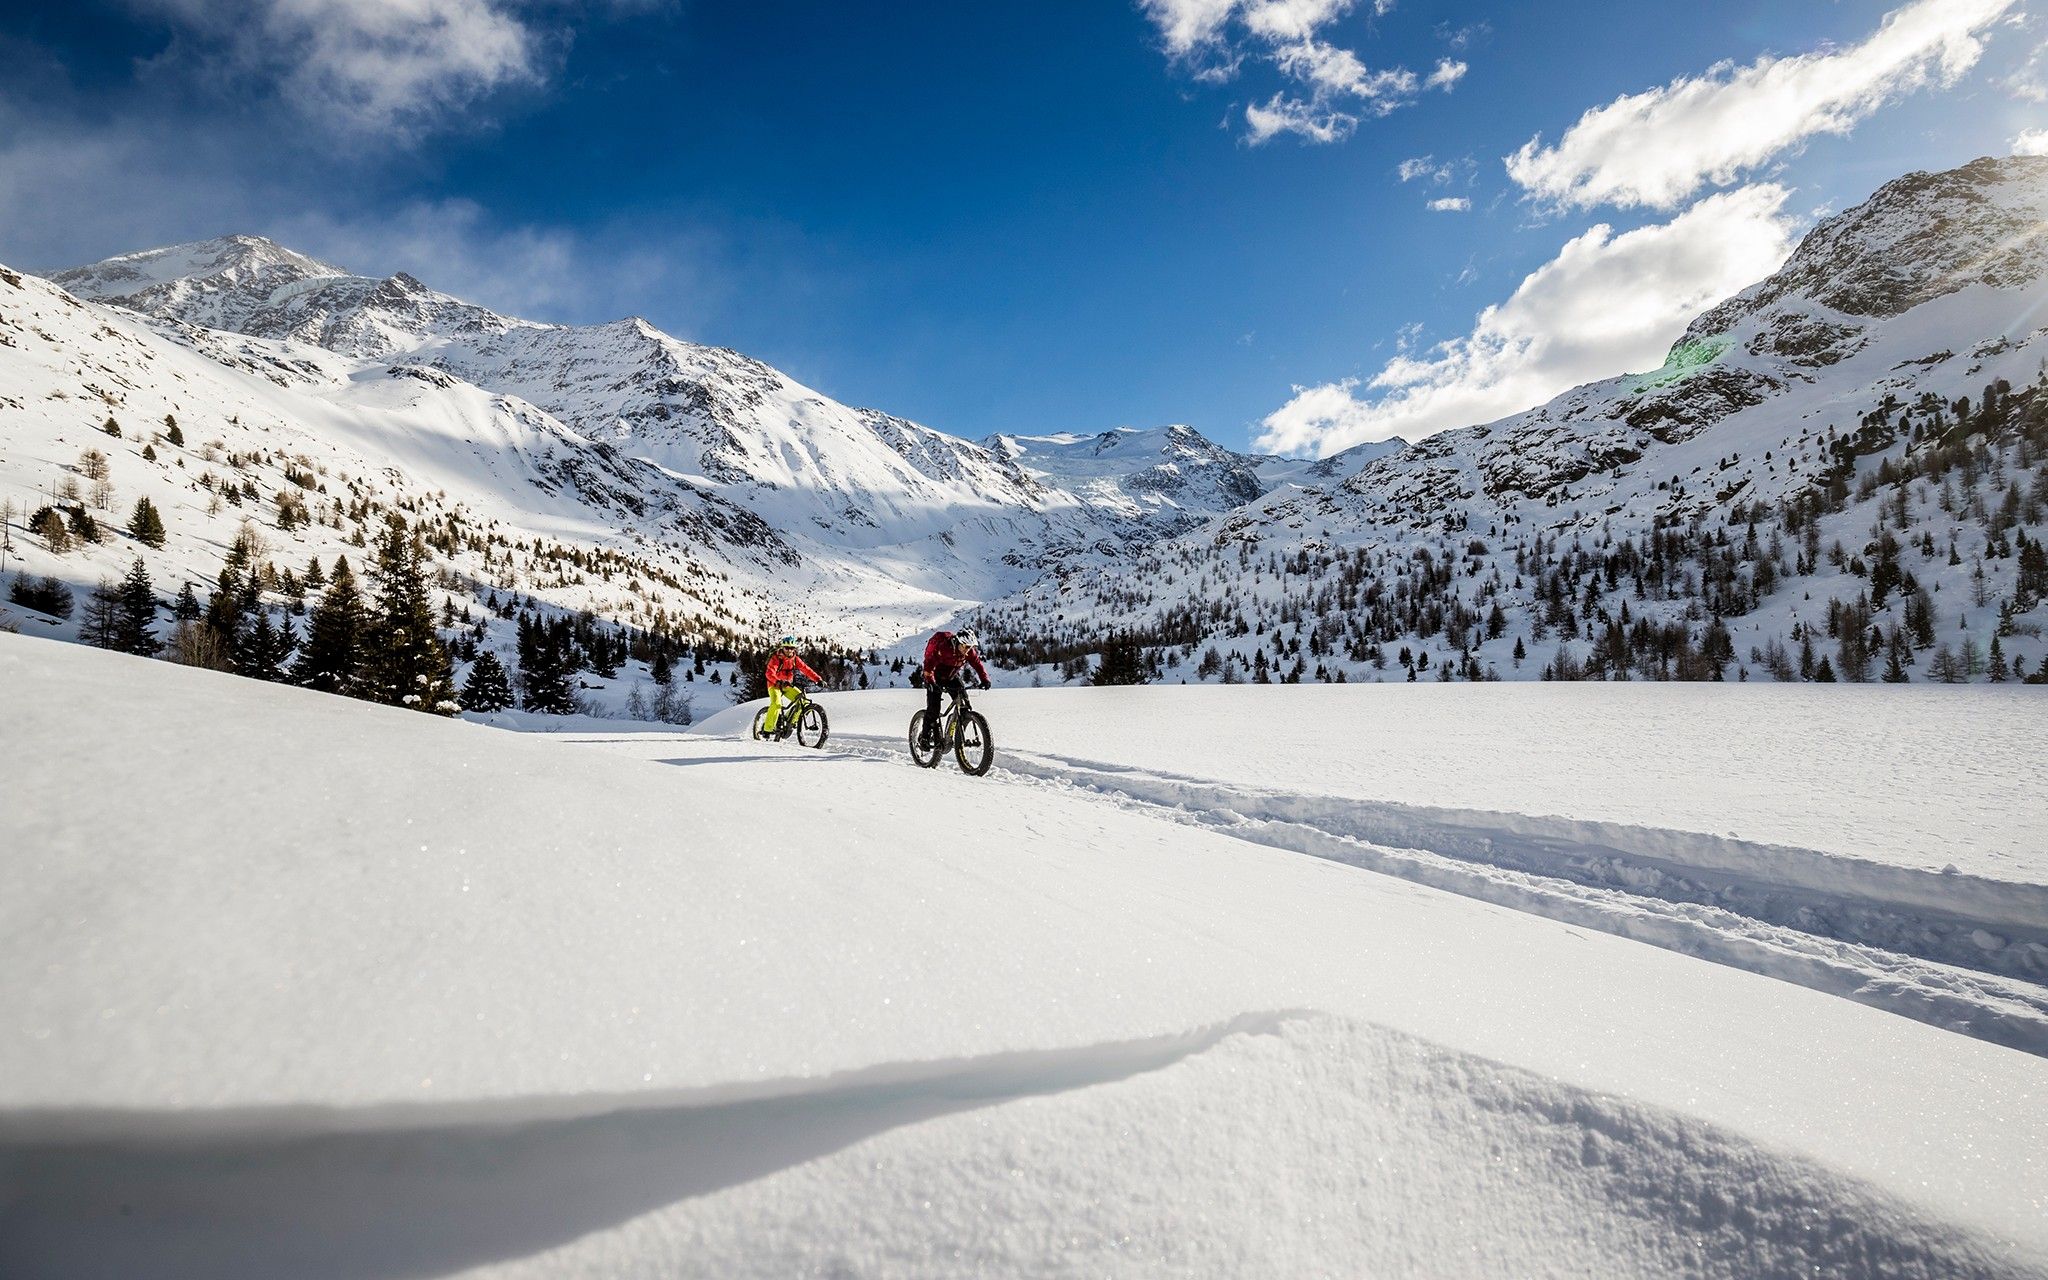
[(1931, 573)]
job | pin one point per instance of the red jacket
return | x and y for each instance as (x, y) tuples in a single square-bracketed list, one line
[(784, 666), (944, 658)]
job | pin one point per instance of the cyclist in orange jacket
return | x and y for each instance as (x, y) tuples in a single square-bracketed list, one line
[(784, 666)]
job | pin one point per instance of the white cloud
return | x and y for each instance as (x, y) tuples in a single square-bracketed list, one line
[(1448, 72), (1187, 25), (1215, 37), (1439, 172), (2034, 142), (366, 66), (1292, 115), (1451, 204), (1606, 304), (1658, 148)]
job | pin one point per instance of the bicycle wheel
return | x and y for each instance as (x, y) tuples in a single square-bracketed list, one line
[(925, 757), (974, 746), (760, 719), (811, 730)]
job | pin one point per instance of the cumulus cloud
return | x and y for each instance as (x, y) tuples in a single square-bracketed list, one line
[(2034, 142), (1657, 149), (1451, 204), (1606, 304), (383, 67), (1335, 88)]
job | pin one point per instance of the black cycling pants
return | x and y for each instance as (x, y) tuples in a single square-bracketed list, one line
[(932, 690)]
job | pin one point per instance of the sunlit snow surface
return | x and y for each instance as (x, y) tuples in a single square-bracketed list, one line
[(307, 987)]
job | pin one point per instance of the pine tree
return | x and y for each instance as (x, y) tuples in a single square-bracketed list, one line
[(146, 526), (83, 526), (749, 678), (543, 671), (261, 648), (224, 610), (664, 670), (48, 524), (186, 607), (332, 659), (1895, 665), (171, 432), (406, 666), (1119, 664), (135, 629), (488, 687), (101, 623)]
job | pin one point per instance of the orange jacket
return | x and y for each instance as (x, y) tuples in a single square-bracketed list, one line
[(784, 666)]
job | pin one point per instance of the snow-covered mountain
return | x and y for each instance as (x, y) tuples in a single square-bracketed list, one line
[(878, 505), (1171, 477), (808, 514), (1882, 382), (1843, 462)]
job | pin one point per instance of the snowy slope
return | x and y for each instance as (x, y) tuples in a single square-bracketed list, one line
[(1598, 807), (1854, 356), (734, 1010)]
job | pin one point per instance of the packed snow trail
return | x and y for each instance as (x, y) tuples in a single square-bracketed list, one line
[(453, 941), (1958, 951)]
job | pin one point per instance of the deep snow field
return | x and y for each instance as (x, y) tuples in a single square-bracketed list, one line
[(1218, 982)]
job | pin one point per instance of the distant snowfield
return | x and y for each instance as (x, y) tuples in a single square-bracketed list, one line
[(308, 987), (1919, 776)]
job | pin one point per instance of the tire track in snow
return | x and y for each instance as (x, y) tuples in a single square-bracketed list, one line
[(1815, 927), (412, 1190)]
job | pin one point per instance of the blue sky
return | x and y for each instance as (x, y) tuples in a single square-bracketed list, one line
[(1027, 217)]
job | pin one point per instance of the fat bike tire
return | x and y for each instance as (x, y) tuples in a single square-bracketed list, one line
[(813, 728), (760, 723), (923, 757), (974, 747)]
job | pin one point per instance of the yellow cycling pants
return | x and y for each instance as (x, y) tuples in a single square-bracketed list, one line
[(776, 697)]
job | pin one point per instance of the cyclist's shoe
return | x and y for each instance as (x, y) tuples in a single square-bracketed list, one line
[(927, 740)]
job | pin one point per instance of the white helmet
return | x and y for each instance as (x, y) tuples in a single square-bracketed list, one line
[(968, 639)]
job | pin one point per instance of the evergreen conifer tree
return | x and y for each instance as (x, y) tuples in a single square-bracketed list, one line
[(48, 524), (101, 623), (186, 607), (171, 432), (224, 610), (146, 526), (749, 678), (332, 658), (406, 665), (543, 671), (488, 687), (1119, 665), (664, 671), (135, 627), (1895, 665)]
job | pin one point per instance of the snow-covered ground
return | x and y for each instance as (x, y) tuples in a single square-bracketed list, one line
[(310, 987)]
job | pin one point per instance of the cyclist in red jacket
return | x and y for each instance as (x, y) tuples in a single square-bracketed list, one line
[(784, 666), (946, 655)]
